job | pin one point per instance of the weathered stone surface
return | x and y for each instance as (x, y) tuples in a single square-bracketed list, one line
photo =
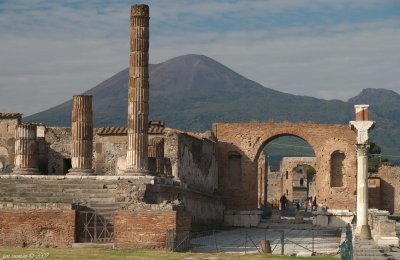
[(26, 150), (58, 140), (82, 135), (390, 188), (138, 92), (235, 218)]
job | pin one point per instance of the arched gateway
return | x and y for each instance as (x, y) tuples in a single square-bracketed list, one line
[(240, 144)]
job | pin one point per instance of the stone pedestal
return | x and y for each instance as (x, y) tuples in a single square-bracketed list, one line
[(26, 150), (138, 92), (82, 136)]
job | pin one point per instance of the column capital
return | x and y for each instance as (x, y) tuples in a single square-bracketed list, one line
[(362, 128), (140, 10), (362, 149)]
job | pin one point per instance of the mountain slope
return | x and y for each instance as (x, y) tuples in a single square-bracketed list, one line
[(191, 92)]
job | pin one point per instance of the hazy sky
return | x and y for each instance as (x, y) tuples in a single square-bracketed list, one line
[(51, 50)]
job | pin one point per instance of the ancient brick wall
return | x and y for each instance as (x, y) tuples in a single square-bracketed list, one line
[(37, 227), (374, 192), (8, 124), (147, 229), (248, 139), (390, 188)]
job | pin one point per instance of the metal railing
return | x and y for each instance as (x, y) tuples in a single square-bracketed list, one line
[(281, 241), (94, 228)]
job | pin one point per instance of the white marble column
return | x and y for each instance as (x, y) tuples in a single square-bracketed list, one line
[(362, 125), (362, 190)]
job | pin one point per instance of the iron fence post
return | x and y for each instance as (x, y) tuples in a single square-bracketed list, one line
[(215, 241), (312, 241), (245, 244), (283, 243)]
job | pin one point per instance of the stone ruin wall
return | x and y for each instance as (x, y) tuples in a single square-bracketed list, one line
[(188, 157), (274, 190), (197, 163), (289, 164), (248, 140), (390, 188)]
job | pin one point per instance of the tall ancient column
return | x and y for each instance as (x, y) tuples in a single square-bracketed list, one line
[(26, 150), (362, 126), (82, 136), (138, 92)]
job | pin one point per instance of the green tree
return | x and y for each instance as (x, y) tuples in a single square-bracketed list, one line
[(375, 160)]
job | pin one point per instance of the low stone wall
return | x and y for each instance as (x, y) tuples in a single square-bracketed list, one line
[(390, 188), (332, 218), (383, 230), (236, 218), (148, 229), (36, 226)]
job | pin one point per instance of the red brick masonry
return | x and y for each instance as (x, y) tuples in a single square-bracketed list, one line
[(37, 227), (147, 229)]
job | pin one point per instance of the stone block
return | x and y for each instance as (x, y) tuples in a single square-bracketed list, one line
[(321, 220), (386, 241)]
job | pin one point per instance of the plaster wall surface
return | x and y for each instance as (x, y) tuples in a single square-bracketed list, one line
[(249, 139)]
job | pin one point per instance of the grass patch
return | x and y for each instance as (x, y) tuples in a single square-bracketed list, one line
[(105, 254)]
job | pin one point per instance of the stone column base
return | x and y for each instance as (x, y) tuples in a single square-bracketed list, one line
[(81, 172), (26, 171), (365, 232)]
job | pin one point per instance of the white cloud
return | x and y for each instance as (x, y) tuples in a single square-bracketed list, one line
[(50, 51)]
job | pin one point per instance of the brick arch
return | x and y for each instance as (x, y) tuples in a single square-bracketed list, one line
[(261, 148), (249, 139)]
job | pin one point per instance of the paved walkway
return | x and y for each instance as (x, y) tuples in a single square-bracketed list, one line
[(246, 240)]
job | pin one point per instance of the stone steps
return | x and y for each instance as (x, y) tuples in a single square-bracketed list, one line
[(58, 191), (367, 249)]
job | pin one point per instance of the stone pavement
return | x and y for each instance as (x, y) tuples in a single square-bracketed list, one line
[(298, 240)]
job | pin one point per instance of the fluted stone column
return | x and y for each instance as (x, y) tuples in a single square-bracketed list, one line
[(138, 92), (26, 150), (158, 144), (82, 136), (362, 125)]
